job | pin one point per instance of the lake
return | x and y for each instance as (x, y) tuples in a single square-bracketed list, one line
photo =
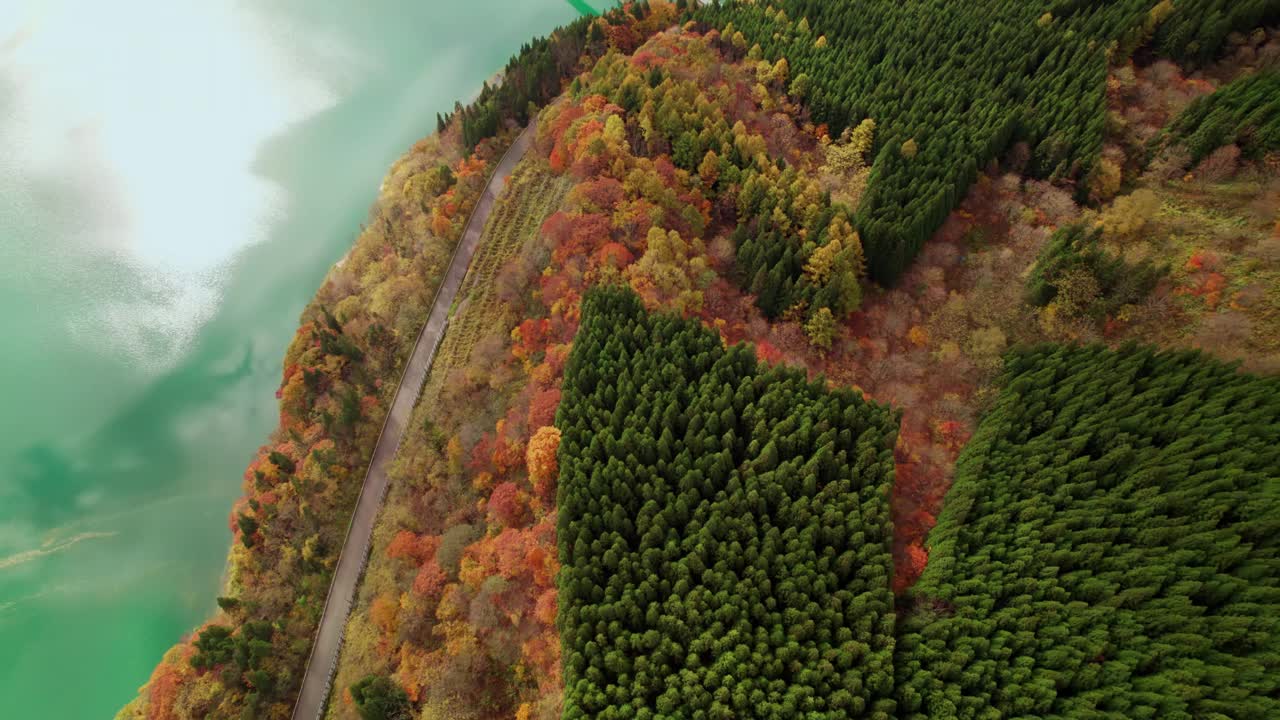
[(175, 180)]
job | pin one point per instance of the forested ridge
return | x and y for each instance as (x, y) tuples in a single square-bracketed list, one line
[(1075, 260), (674, 150), (678, 458), (459, 605)]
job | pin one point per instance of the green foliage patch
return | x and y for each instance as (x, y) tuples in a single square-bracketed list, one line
[(1075, 271), (379, 698), (1245, 112), (724, 530), (1108, 548)]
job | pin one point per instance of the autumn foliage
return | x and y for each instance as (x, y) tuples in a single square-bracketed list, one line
[(338, 374), (682, 166), (541, 461), (476, 561)]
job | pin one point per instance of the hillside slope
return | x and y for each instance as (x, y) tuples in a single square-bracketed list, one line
[(707, 174)]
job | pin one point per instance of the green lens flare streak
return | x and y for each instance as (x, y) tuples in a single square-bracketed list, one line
[(582, 7)]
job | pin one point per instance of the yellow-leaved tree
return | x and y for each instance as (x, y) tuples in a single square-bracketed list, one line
[(672, 272), (836, 266), (847, 166)]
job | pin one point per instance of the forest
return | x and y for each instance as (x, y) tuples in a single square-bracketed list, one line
[(953, 85), (1245, 112), (814, 363), (459, 605), (1108, 547), (723, 528), (537, 73)]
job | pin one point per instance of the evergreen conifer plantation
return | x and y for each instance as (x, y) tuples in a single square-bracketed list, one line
[(1108, 549), (1245, 111), (724, 530)]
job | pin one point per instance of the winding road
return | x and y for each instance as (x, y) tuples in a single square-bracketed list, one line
[(323, 662)]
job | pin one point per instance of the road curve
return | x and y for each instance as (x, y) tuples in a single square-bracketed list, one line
[(323, 662)]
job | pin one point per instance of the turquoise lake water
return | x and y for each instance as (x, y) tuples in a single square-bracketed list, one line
[(175, 180)]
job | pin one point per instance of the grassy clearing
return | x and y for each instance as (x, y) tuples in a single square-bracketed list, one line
[(532, 194), (1223, 293)]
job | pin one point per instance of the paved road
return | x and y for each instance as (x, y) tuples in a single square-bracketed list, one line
[(323, 662)]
